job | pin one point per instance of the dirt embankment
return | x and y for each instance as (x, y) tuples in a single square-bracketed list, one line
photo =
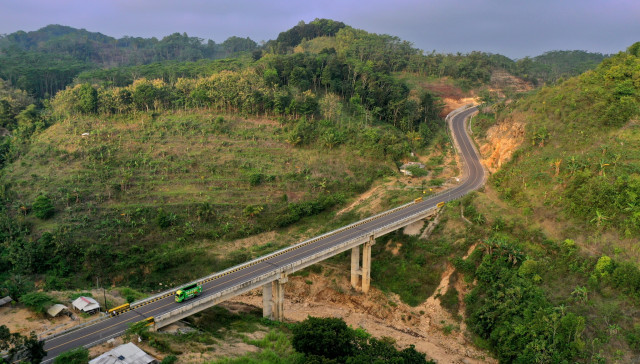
[(501, 141), (428, 326), (502, 82)]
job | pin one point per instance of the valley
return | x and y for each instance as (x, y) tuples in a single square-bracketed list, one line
[(147, 175)]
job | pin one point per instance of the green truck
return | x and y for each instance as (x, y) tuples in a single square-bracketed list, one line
[(187, 292)]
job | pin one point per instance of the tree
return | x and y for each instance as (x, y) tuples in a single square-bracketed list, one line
[(37, 301), (21, 348), (76, 356), (327, 337), (43, 207), (87, 99)]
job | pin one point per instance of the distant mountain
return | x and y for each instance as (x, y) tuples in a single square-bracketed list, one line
[(551, 66), (45, 61)]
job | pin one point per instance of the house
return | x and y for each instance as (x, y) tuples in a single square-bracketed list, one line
[(86, 304), (124, 354)]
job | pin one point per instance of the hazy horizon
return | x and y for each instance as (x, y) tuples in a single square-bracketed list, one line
[(512, 29)]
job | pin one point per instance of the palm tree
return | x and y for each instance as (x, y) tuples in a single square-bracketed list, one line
[(599, 219), (581, 293)]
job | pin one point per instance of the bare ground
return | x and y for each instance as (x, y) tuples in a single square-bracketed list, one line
[(382, 315)]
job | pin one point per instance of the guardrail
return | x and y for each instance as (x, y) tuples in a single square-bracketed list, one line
[(76, 327), (273, 275)]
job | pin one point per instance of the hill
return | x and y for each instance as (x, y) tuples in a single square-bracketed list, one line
[(149, 175), (44, 61), (571, 184), (580, 139)]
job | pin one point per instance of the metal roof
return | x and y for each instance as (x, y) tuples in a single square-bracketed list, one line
[(4, 301), (86, 304), (124, 354), (54, 310)]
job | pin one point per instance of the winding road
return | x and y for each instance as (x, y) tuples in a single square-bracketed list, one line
[(473, 177)]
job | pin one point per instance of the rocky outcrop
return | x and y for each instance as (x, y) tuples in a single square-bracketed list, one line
[(501, 141)]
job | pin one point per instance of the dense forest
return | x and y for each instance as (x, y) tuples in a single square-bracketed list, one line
[(45, 61)]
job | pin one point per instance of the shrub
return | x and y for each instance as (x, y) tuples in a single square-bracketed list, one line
[(417, 171), (42, 207), (76, 356), (37, 301)]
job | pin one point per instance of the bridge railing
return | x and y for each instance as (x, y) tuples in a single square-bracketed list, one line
[(255, 282)]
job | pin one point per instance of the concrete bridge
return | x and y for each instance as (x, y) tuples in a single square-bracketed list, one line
[(271, 271)]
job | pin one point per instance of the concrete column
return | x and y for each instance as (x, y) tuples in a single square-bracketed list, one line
[(366, 264), (278, 297), (355, 266), (267, 300)]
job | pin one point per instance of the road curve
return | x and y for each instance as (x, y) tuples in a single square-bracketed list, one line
[(473, 178)]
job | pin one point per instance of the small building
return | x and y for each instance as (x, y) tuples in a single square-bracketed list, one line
[(125, 354), (55, 310), (4, 301), (86, 305)]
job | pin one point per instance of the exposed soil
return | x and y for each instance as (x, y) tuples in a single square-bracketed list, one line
[(382, 315), (502, 140), (502, 81)]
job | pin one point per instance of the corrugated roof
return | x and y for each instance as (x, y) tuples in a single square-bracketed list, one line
[(55, 310), (124, 354), (86, 304), (4, 301)]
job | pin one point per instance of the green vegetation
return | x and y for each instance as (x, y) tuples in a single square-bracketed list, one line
[(583, 142), (414, 272), (76, 356), (192, 162), (23, 348), (555, 65), (37, 301), (330, 340), (45, 61), (509, 311), (275, 348)]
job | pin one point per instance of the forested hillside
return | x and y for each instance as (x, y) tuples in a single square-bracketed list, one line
[(573, 186), (183, 164), (581, 139), (44, 61), (130, 159)]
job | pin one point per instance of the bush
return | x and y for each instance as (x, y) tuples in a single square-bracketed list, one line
[(37, 301), (171, 359), (450, 300), (327, 337), (417, 171), (76, 356), (165, 219), (42, 207)]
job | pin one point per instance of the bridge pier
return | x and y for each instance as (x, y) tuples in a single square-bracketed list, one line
[(273, 298), (267, 300), (365, 270), (355, 266)]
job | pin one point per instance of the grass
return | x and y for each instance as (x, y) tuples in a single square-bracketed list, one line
[(184, 179)]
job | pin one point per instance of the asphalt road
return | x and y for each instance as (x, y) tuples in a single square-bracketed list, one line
[(473, 178)]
